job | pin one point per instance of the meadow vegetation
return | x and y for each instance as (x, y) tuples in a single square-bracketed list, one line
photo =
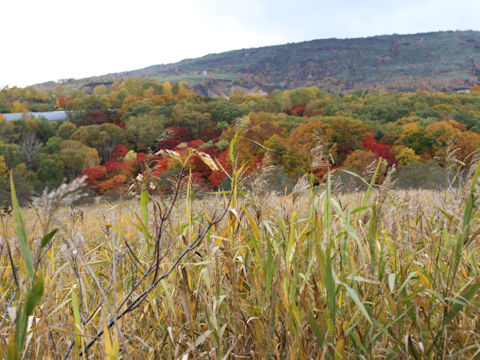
[(312, 274)]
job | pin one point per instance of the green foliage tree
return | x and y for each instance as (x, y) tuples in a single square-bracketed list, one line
[(137, 108), (53, 145), (77, 157), (303, 95), (3, 167), (190, 117), (102, 137), (50, 171), (24, 185), (222, 110), (44, 129), (11, 131), (144, 130), (66, 130), (4, 108), (10, 152)]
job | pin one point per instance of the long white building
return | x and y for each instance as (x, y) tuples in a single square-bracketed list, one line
[(48, 115)]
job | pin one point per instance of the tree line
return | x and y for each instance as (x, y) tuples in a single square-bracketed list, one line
[(115, 131)]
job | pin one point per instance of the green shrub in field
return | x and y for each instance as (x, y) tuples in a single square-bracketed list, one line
[(427, 175)]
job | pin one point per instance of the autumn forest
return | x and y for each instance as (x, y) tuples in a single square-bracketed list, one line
[(115, 133)]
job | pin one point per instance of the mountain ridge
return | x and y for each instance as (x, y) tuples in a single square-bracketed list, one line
[(435, 61)]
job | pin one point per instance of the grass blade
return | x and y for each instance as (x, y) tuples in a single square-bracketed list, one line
[(316, 330), (467, 294), (358, 302), (47, 238), (20, 232), (366, 197), (144, 207), (34, 296)]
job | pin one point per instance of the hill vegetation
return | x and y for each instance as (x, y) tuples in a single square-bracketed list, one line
[(437, 61)]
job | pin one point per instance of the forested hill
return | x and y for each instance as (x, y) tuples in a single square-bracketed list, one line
[(437, 61)]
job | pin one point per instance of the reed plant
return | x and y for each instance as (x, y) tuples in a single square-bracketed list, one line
[(312, 274)]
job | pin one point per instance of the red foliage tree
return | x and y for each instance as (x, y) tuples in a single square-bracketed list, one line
[(117, 182), (212, 151), (97, 117), (195, 144), (199, 180), (116, 167), (119, 152), (113, 175), (94, 175), (379, 149), (216, 178), (296, 109), (63, 102)]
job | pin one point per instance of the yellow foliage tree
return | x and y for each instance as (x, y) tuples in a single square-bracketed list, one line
[(443, 133), (408, 119), (301, 141), (167, 89), (130, 156), (19, 107), (404, 155), (415, 137), (475, 89), (359, 160), (467, 145), (100, 90)]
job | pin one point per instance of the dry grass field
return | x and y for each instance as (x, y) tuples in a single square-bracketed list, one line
[(310, 275)]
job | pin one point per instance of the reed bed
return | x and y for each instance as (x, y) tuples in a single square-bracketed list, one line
[(308, 275)]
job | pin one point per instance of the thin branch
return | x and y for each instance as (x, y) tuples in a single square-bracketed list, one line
[(140, 298)]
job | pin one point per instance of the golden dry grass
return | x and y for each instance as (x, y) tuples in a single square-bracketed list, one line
[(312, 275)]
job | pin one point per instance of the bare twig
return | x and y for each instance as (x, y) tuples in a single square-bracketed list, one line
[(137, 301), (151, 276)]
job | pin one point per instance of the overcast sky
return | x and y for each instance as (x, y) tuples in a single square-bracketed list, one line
[(58, 39)]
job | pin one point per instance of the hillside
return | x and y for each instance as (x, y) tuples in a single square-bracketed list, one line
[(438, 61)]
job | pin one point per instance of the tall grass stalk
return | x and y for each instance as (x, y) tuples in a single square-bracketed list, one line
[(309, 275)]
